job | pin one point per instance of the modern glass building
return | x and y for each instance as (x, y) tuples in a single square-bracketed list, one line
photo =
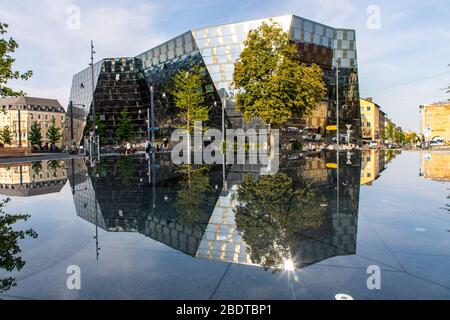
[(124, 82)]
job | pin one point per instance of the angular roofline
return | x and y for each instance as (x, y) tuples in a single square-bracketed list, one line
[(243, 21)]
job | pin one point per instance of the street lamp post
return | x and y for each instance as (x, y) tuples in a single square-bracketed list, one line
[(152, 106), (337, 104), (224, 104), (93, 89), (151, 113)]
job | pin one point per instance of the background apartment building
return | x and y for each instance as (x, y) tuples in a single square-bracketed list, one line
[(435, 121), (374, 121), (370, 120), (19, 114)]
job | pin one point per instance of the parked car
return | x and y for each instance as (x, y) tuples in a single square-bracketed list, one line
[(437, 142), (373, 144)]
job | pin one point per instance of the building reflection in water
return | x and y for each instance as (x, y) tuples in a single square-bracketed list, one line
[(435, 166), (374, 162), (305, 213), (32, 178)]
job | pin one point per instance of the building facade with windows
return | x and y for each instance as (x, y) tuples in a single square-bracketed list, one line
[(26, 111), (121, 83), (370, 120), (435, 121)]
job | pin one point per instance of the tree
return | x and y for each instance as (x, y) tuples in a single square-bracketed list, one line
[(125, 127), (390, 132), (189, 97), (35, 135), (411, 137), (7, 47), (54, 132), (6, 135), (273, 84), (9, 244), (399, 137)]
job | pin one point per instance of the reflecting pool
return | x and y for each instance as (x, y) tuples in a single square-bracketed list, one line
[(372, 225)]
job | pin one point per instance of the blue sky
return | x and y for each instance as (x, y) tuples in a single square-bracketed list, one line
[(401, 65)]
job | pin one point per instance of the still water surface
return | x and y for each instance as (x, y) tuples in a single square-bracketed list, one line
[(147, 229)]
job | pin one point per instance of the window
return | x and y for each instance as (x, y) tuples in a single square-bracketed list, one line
[(308, 26), (307, 37), (368, 108), (46, 117), (368, 124), (39, 116)]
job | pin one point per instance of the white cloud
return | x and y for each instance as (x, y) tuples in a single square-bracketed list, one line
[(54, 52)]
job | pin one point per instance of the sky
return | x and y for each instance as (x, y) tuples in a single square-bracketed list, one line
[(403, 46)]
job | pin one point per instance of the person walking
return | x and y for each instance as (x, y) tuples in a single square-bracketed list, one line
[(127, 148), (147, 146)]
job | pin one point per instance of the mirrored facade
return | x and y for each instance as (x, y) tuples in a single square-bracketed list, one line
[(203, 211), (216, 49)]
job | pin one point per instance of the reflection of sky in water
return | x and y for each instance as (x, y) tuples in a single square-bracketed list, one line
[(401, 227)]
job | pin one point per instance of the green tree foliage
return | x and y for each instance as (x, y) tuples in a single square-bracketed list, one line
[(411, 137), (189, 98), (125, 128), (272, 210), (9, 244), (390, 132), (35, 135), (7, 47), (54, 132), (274, 85), (399, 137), (6, 136)]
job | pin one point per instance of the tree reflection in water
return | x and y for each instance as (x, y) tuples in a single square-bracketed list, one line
[(272, 211), (194, 194), (9, 244), (125, 166), (36, 166)]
